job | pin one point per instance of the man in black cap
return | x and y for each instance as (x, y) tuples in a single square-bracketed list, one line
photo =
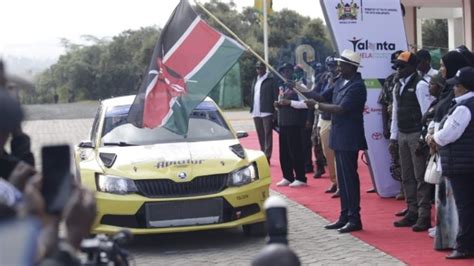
[(455, 144), (424, 65), (291, 122), (411, 99), (264, 93), (386, 101)]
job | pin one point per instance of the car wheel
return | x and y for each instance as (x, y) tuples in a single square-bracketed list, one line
[(256, 229)]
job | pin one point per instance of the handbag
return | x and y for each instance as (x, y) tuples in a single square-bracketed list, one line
[(432, 175)]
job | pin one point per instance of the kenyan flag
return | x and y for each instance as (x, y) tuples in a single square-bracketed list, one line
[(188, 61)]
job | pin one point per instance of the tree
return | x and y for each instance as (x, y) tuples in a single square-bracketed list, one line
[(114, 67), (435, 33)]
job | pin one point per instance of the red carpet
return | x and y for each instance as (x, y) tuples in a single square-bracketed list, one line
[(377, 214)]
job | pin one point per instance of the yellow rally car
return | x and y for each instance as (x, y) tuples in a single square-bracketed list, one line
[(154, 181)]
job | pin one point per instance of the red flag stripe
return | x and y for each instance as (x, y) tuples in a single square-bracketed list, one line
[(192, 48)]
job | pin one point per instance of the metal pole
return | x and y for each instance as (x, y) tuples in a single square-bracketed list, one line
[(265, 31), (269, 67)]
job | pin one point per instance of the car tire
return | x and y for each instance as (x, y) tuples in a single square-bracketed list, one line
[(255, 230)]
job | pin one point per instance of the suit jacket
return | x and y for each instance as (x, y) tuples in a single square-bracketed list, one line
[(268, 95), (347, 129)]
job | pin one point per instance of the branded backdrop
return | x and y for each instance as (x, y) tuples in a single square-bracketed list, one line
[(374, 29)]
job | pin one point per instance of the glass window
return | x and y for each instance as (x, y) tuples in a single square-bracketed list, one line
[(205, 123)]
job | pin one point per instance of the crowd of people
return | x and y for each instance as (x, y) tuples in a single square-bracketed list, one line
[(426, 114), (24, 219)]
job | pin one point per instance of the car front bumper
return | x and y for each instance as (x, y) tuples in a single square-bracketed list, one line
[(142, 215)]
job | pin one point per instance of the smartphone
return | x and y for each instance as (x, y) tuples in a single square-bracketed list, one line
[(57, 177)]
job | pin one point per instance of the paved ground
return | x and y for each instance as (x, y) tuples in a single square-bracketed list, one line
[(314, 245)]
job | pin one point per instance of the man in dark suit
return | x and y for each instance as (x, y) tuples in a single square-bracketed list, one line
[(264, 92), (347, 137)]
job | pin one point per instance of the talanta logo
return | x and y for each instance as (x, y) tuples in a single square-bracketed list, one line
[(368, 49), (364, 45)]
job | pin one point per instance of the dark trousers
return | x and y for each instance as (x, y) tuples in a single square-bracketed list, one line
[(264, 127), (349, 186), (463, 190), (307, 147), (291, 153)]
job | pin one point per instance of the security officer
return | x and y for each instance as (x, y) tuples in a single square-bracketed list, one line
[(410, 102), (386, 100), (291, 122), (454, 141)]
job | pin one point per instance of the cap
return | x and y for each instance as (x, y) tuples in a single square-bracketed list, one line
[(465, 77), (285, 66), (259, 64), (438, 79), (423, 54), (298, 67), (393, 58), (406, 58)]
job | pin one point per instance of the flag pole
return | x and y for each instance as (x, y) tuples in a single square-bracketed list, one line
[(269, 67), (265, 31)]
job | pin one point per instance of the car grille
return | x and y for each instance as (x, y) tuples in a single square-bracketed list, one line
[(166, 188)]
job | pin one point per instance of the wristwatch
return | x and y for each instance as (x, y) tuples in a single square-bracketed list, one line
[(316, 106)]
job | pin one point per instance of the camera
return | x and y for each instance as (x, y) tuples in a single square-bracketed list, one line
[(106, 250)]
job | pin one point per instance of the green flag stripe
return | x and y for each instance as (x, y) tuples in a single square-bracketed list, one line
[(201, 83)]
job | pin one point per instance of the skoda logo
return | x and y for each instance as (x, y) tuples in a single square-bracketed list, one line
[(182, 175)]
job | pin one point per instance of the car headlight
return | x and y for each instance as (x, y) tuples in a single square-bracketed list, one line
[(242, 176), (115, 184)]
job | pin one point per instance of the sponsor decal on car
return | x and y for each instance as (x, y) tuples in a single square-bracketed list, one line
[(164, 164)]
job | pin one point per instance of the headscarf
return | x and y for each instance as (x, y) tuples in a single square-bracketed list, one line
[(453, 61), (467, 54)]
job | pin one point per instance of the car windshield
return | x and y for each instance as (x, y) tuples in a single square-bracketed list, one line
[(205, 123)]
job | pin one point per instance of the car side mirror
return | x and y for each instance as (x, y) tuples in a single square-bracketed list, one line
[(86, 144), (242, 134)]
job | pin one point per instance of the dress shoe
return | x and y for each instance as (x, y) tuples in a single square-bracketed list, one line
[(408, 220), (400, 196), (457, 255), (336, 194), (336, 225), (331, 189), (372, 190), (402, 212), (422, 224), (320, 172), (350, 227), (308, 169)]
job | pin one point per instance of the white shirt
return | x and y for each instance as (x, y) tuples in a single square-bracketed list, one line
[(424, 100), (456, 123), (256, 97), (429, 74)]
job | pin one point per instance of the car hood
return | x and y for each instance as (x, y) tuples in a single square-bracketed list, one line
[(171, 160)]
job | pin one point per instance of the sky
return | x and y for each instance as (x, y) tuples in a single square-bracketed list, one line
[(33, 28)]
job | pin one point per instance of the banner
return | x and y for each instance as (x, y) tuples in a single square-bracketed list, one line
[(374, 29)]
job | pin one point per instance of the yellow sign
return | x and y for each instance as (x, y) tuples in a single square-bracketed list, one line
[(258, 4)]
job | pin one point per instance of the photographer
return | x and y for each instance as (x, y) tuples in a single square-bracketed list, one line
[(23, 204), (10, 126)]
